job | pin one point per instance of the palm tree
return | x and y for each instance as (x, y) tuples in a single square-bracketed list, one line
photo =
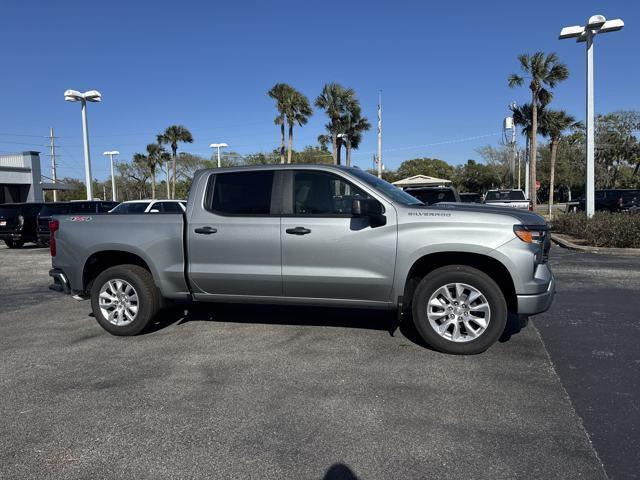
[(557, 122), (334, 99), (156, 154), (280, 92), (354, 125), (522, 116), (297, 110), (171, 136), (542, 70)]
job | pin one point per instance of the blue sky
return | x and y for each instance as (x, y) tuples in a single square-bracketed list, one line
[(442, 67)]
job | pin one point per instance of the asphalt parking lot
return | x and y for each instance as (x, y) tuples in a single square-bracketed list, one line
[(265, 392)]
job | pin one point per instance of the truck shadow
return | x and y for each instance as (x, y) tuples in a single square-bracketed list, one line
[(370, 319)]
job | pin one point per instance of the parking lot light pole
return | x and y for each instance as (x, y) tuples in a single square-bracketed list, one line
[(90, 96), (218, 146), (113, 177), (596, 24)]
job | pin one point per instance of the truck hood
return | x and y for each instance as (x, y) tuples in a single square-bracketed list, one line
[(524, 216)]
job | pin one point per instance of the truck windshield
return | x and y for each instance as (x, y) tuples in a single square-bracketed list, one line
[(505, 195), (384, 187)]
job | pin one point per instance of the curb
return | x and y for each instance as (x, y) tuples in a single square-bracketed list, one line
[(566, 242)]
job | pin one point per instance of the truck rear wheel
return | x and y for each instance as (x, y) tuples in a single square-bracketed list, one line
[(460, 310), (124, 299)]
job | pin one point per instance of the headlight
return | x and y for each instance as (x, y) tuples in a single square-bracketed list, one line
[(538, 236), (531, 233)]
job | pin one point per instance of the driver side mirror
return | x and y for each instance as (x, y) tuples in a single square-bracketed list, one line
[(370, 208)]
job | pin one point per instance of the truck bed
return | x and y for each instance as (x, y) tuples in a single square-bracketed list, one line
[(157, 239)]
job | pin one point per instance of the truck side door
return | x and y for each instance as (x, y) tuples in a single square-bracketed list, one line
[(327, 253), (234, 239)]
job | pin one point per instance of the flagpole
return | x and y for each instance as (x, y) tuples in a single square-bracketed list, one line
[(379, 133)]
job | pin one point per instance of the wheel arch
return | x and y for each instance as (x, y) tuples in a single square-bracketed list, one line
[(489, 265), (100, 260)]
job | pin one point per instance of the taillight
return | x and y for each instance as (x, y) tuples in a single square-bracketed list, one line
[(54, 225), (530, 206)]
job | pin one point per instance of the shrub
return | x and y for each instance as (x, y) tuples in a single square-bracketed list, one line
[(604, 229)]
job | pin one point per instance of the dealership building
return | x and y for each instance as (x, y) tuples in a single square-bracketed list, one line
[(21, 179)]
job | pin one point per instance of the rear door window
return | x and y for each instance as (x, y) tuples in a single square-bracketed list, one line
[(241, 193)]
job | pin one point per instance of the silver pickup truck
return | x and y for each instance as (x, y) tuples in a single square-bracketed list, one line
[(312, 235)]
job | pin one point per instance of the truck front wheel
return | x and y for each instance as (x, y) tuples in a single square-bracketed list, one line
[(459, 309), (124, 299)]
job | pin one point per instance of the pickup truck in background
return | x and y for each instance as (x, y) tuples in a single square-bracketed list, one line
[(508, 198), (19, 223), (312, 235)]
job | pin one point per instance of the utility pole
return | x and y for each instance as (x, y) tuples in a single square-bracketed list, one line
[(52, 145), (379, 133)]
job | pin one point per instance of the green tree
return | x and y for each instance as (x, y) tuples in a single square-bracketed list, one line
[(280, 92), (154, 159), (617, 145), (541, 70), (354, 126), (556, 123), (431, 167), (334, 100), (297, 110), (476, 177), (172, 136), (522, 117)]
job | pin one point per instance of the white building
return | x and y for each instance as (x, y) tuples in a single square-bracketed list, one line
[(20, 179), (422, 181)]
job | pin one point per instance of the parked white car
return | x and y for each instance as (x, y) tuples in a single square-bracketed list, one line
[(150, 206)]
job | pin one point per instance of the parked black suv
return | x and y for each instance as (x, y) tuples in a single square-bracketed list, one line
[(613, 200), (18, 223), (64, 208), (431, 195)]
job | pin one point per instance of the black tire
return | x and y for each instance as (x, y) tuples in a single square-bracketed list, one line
[(149, 300), (14, 243), (474, 278)]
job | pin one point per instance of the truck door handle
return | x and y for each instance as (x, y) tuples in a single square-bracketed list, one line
[(298, 231), (206, 230)]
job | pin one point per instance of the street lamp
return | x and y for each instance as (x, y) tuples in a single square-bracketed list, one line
[(113, 178), (596, 24), (90, 96), (218, 146)]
